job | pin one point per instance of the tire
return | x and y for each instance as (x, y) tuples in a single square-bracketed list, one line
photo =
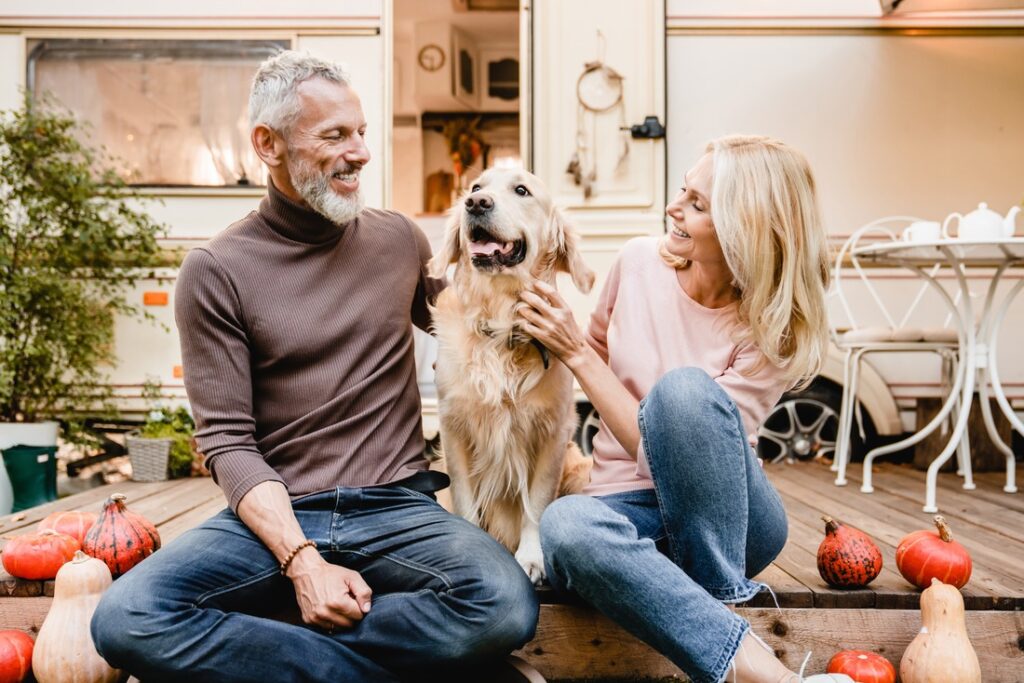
[(804, 425), (586, 428), (777, 440)]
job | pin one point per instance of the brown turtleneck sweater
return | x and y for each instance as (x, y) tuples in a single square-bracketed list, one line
[(296, 339)]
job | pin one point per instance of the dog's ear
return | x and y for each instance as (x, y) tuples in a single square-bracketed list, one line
[(569, 259), (452, 246)]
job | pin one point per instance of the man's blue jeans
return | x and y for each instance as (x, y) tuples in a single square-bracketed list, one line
[(662, 562), (445, 595)]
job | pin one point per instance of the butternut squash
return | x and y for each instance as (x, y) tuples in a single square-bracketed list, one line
[(941, 652), (64, 651)]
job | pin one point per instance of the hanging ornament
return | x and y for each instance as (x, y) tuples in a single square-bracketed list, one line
[(599, 92)]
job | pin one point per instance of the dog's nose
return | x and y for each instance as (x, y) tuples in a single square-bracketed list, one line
[(479, 205)]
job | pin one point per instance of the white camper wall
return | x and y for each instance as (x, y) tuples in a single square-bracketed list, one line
[(223, 13), (910, 122), (12, 78), (892, 123)]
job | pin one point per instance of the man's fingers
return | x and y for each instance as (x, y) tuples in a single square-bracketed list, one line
[(329, 620), (360, 591), (344, 609)]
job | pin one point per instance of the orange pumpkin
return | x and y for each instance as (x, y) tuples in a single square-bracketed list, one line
[(15, 656), (847, 558), (120, 537), (926, 554), (38, 556), (863, 666), (74, 523)]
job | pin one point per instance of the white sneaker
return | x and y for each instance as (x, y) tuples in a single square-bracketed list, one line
[(822, 678)]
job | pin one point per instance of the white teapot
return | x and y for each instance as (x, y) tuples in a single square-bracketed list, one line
[(982, 224)]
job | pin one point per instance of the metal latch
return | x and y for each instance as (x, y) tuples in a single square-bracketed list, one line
[(650, 129)]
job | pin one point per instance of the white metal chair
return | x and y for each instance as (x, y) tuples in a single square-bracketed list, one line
[(877, 330)]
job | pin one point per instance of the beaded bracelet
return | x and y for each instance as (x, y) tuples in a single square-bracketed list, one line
[(295, 551)]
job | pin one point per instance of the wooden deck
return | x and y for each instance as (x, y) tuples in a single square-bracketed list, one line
[(573, 641)]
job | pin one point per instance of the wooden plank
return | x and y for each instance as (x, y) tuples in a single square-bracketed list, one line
[(578, 642), (869, 517), (891, 590), (192, 518), (997, 556), (789, 591), (86, 500), (24, 614), (885, 518), (573, 642), (995, 636), (957, 503)]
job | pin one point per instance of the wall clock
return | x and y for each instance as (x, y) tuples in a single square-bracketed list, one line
[(431, 57)]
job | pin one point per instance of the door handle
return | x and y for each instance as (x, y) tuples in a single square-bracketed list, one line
[(650, 129)]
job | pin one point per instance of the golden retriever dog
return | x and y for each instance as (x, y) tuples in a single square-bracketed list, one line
[(506, 405)]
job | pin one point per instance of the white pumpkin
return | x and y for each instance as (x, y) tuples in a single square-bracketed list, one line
[(64, 651)]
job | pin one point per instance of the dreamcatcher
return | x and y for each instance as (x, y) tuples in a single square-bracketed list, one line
[(598, 92)]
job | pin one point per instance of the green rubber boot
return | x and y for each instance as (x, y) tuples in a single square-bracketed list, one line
[(33, 473)]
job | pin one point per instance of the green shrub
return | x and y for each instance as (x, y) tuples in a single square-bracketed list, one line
[(72, 241)]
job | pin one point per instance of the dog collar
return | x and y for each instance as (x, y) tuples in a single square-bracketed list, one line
[(545, 355)]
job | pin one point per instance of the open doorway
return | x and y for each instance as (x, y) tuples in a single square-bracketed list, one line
[(456, 101), (456, 105)]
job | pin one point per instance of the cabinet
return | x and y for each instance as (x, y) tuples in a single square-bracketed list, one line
[(447, 68), (499, 78)]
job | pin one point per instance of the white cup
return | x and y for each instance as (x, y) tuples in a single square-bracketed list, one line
[(923, 231)]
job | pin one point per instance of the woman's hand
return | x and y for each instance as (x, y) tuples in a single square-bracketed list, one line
[(547, 318)]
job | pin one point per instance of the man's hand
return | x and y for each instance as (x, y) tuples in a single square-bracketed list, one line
[(329, 596)]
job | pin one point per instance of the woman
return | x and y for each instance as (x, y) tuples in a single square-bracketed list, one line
[(694, 339)]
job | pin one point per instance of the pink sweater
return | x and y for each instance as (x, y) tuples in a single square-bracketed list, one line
[(645, 325)]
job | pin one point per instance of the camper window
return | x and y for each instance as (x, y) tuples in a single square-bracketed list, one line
[(171, 112)]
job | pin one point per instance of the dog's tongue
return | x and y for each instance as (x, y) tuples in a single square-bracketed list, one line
[(489, 248)]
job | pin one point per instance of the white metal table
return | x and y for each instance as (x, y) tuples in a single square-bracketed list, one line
[(978, 367)]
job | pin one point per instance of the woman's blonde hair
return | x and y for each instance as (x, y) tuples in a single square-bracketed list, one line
[(765, 212)]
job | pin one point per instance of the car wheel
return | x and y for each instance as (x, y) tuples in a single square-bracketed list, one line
[(589, 423), (802, 426)]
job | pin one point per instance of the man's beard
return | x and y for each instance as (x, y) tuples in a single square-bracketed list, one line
[(315, 189)]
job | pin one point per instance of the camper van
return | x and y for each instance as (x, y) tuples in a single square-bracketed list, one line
[(903, 108)]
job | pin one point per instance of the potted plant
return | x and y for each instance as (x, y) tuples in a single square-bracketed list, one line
[(162, 448), (71, 242)]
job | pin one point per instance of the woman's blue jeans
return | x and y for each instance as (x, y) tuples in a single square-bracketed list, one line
[(445, 595), (662, 562)]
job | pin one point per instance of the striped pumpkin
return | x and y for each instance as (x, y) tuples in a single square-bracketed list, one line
[(121, 538), (863, 666), (71, 522)]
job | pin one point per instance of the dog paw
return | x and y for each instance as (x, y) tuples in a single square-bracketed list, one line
[(533, 564)]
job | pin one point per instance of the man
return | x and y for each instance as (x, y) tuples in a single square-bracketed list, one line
[(297, 344)]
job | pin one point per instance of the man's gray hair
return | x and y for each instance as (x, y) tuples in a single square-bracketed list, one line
[(274, 99)]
